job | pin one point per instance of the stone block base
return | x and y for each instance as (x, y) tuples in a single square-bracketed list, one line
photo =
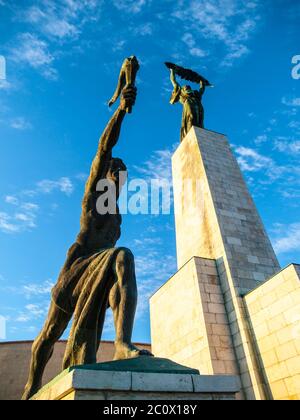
[(90, 383)]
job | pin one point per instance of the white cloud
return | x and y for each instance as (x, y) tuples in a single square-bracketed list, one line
[(189, 40), (34, 52), (158, 166), (6, 224), (147, 241), (261, 139), (294, 125), (131, 6), (152, 271), (293, 102), (231, 23), (118, 46), (288, 146), (250, 160), (51, 25), (64, 185), (26, 219), (34, 289), (10, 199), (5, 85), (24, 214), (144, 29), (289, 239), (30, 206), (62, 20), (20, 123), (32, 311), (21, 220)]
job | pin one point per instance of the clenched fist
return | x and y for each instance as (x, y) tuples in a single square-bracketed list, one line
[(128, 97)]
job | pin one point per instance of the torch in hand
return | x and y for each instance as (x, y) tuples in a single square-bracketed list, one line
[(127, 78)]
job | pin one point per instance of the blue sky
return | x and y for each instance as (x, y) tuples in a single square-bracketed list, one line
[(63, 59)]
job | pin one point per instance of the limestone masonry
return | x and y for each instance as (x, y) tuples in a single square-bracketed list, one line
[(229, 309)]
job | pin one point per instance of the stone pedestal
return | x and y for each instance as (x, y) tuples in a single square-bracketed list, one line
[(133, 380), (273, 311), (200, 316)]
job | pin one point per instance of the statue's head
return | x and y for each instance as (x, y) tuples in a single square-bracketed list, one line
[(115, 167), (186, 89)]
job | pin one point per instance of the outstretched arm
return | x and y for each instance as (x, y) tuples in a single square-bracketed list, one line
[(109, 139), (173, 78)]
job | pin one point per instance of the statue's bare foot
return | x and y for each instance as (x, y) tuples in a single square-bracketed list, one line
[(128, 351)]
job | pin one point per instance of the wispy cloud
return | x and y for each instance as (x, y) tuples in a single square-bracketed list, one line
[(5, 85), (32, 311), (251, 160), (52, 24), (287, 146), (62, 20), (287, 238), (131, 6), (22, 215), (152, 271), (20, 123), (34, 52), (158, 166), (49, 22), (231, 23), (144, 29), (63, 185), (291, 101), (189, 40), (262, 138), (7, 224), (10, 199), (34, 289)]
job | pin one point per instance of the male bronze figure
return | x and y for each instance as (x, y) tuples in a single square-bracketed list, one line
[(193, 111), (96, 274)]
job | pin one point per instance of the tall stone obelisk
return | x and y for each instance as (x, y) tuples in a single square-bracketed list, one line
[(198, 317)]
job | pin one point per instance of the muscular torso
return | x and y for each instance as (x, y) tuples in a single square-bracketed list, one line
[(99, 231)]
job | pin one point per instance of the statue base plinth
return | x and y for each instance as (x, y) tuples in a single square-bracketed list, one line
[(143, 378)]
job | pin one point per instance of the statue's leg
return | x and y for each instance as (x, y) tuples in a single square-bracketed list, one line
[(123, 300), (42, 348)]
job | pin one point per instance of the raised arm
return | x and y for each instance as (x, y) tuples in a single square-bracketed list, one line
[(109, 139), (173, 78)]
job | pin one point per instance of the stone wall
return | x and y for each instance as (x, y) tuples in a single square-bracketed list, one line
[(274, 317), (196, 331)]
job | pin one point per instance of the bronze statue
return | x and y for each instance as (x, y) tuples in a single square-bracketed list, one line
[(193, 111), (96, 274)]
